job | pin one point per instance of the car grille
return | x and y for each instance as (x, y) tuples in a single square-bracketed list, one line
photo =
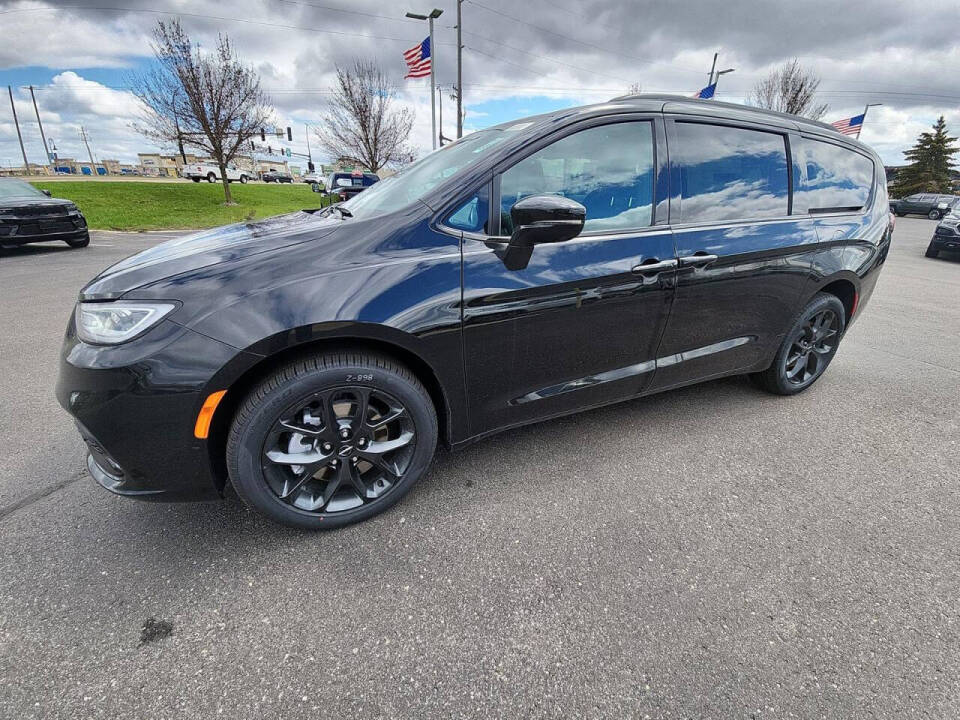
[(38, 211), (946, 231)]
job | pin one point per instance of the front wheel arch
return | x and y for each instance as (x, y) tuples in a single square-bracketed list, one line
[(242, 385)]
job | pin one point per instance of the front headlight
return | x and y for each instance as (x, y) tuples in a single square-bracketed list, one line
[(111, 323)]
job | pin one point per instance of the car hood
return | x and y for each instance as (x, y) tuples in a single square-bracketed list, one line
[(206, 248), (31, 206)]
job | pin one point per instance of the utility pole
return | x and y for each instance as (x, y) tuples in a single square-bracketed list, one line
[(440, 91), (42, 136), (459, 70), (434, 14), (93, 165), (26, 165)]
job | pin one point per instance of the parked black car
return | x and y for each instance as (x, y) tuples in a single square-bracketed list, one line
[(530, 270), (344, 185), (276, 176), (930, 204), (28, 215), (946, 236)]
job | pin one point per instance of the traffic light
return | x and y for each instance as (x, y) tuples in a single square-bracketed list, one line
[(263, 135), (310, 166), (289, 134), (269, 150)]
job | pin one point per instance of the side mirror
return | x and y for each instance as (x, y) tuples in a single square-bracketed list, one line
[(540, 219), (47, 193), (315, 187)]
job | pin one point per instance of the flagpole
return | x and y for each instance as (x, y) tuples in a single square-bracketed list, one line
[(866, 107), (434, 14)]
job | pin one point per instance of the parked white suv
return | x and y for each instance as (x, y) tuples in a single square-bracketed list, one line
[(211, 173)]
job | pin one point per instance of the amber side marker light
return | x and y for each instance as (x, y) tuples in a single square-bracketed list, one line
[(202, 429)]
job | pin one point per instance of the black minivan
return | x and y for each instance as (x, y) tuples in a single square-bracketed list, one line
[(542, 267)]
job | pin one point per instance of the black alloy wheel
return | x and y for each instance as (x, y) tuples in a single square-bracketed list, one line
[(934, 214), (331, 440), (808, 347)]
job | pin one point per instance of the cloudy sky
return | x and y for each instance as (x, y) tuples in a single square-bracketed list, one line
[(520, 58)]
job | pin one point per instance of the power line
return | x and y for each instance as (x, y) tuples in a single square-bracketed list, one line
[(212, 17), (574, 40)]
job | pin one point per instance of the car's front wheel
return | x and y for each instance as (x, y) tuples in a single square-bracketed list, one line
[(330, 440), (243, 179), (807, 348), (934, 214), (195, 179), (79, 242), (211, 178)]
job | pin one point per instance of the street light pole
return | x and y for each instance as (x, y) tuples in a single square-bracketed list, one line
[(16, 123), (43, 137), (434, 14)]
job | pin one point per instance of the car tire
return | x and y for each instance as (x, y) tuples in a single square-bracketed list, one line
[(79, 243), (931, 252), (934, 215), (211, 178), (196, 180), (243, 179), (898, 213), (807, 348), (322, 396)]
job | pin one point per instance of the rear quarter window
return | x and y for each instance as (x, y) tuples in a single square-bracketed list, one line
[(837, 178), (730, 173)]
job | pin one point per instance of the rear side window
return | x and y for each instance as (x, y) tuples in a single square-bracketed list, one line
[(838, 179), (729, 173)]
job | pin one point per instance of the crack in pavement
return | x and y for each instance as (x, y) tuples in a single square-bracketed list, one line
[(38, 495)]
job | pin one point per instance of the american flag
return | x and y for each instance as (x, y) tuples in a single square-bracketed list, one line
[(850, 126), (418, 60), (707, 92)]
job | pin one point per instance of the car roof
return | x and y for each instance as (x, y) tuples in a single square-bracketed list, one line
[(680, 105)]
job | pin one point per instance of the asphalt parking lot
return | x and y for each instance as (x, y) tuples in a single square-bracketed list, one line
[(713, 552)]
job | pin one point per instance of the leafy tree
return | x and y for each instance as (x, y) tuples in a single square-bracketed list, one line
[(361, 124), (209, 101), (931, 161), (792, 89)]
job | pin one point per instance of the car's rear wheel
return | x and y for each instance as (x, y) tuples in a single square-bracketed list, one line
[(330, 440), (196, 179), (80, 242), (934, 214), (932, 251), (243, 179), (807, 348)]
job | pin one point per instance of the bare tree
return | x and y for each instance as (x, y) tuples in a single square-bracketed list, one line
[(210, 101), (362, 125), (790, 88)]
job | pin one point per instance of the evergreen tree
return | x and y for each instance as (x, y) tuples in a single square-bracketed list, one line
[(931, 159)]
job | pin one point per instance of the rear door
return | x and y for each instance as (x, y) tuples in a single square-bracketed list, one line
[(579, 326), (743, 259)]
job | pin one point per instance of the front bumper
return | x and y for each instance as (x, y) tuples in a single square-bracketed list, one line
[(20, 231), (946, 239), (135, 405)]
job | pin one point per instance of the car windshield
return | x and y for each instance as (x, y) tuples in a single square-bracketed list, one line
[(417, 180), (18, 189)]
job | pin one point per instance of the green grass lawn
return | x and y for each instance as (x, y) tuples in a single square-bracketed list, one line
[(176, 206)]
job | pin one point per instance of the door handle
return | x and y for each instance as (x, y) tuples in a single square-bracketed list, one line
[(698, 259), (652, 266)]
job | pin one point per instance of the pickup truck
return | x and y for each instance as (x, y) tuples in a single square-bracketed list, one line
[(211, 173), (932, 205)]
